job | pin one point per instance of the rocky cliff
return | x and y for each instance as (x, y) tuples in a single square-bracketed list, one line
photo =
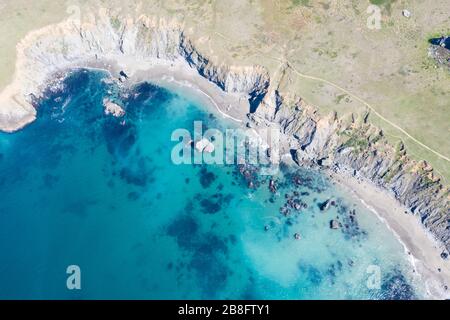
[(350, 144), (102, 37), (346, 143)]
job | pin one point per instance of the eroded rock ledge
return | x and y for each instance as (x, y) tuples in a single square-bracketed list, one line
[(345, 144), (101, 37), (352, 145)]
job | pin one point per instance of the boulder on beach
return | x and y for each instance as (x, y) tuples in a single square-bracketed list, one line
[(406, 13), (334, 224)]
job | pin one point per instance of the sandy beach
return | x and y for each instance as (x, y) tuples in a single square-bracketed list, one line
[(176, 75), (422, 248)]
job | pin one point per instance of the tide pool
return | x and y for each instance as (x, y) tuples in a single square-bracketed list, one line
[(79, 187)]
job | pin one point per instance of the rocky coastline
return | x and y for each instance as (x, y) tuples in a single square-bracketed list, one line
[(347, 145), (351, 145)]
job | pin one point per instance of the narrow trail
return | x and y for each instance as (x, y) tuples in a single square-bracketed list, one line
[(372, 109), (354, 96)]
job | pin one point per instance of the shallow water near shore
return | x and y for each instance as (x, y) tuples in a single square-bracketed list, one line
[(83, 188)]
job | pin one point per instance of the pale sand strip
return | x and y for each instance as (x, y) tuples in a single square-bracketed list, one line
[(177, 75), (423, 249)]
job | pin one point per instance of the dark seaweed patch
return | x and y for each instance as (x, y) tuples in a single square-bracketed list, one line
[(311, 273), (119, 138), (206, 177), (348, 221), (207, 261), (138, 172), (333, 270), (214, 203), (212, 273), (212, 244), (208, 252), (145, 98), (77, 81), (184, 229), (133, 177), (133, 196), (210, 206)]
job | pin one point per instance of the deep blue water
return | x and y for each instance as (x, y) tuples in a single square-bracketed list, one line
[(79, 187)]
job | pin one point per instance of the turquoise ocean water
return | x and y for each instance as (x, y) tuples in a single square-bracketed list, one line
[(82, 188)]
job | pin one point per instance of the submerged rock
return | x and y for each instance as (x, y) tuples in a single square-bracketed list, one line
[(285, 211), (326, 204), (249, 173), (113, 108), (355, 146), (334, 224), (272, 186)]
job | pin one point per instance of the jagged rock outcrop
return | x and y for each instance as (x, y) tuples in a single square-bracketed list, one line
[(355, 146), (252, 80), (340, 144), (102, 37)]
